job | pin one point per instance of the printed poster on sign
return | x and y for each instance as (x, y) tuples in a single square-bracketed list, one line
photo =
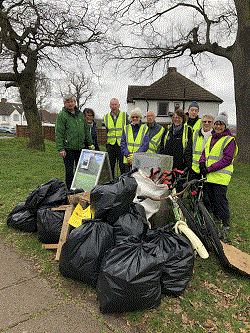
[(93, 168)]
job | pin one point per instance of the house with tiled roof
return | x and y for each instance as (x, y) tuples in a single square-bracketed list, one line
[(171, 92), (12, 114)]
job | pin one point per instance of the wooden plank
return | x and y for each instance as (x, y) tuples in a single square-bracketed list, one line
[(82, 198), (237, 258), (64, 231), (49, 246), (62, 207)]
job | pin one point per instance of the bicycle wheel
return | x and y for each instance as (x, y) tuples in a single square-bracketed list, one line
[(194, 224), (212, 233)]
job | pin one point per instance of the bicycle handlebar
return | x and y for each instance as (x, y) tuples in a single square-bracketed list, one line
[(194, 181)]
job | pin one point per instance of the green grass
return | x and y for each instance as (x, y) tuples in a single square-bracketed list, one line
[(214, 301)]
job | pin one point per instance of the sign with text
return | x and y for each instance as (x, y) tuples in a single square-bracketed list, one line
[(93, 168)]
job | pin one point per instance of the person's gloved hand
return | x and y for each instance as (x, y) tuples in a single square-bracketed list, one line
[(204, 172), (202, 166), (130, 158), (92, 147)]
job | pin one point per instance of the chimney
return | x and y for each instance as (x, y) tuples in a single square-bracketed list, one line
[(3, 100), (172, 70)]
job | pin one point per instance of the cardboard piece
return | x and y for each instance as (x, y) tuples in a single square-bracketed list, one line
[(237, 259)]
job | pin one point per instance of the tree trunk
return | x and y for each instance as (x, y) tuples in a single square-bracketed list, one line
[(242, 101), (241, 67), (28, 97)]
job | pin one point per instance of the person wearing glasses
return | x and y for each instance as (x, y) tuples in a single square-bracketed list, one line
[(176, 141), (193, 119), (216, 164), (200, 138), (90, 118), (134, 138)]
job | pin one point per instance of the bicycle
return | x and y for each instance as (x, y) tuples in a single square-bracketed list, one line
[(180, 226), (199, 219)]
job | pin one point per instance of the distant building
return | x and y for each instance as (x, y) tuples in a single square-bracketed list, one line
[(171, 92), (12, 114)]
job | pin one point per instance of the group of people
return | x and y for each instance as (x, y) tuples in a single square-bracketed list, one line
[(203, 145)]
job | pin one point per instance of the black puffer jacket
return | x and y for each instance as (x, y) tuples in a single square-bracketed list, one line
[(174, 147)]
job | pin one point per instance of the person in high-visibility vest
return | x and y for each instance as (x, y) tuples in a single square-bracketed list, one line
[(155, 132), (216, 163), (114, 122), (193, 119), (134, 138), (200, 138), (176, 141)]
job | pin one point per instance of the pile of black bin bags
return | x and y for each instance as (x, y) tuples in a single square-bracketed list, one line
[(130, 265), (35, 213)]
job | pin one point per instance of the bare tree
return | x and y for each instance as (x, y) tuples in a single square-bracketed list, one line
[(30, 31), (80, 85), (178, 28), (43, 90)]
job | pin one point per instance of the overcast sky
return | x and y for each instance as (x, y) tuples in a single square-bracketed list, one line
[(218, 79)]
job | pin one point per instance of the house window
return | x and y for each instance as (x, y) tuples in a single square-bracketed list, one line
[(24, 118), (177, 105), (163, 108), (16, 117), (4, 118)]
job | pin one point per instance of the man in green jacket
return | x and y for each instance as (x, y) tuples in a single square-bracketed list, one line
[(72, 135)]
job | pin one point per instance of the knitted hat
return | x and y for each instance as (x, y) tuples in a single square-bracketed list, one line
[(223, 117), (193, 104)]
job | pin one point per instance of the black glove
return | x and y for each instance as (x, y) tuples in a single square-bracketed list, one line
[(202, 166), (204, 172)]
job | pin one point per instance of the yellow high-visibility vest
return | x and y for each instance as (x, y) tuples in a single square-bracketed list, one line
[(155, 141), (184, 136), (197, 150), (197, 125), (134, 145), (222, 176), (114, 133)]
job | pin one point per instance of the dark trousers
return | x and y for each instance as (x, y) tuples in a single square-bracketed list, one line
[(115, 154), (70, 160), (215, 200)]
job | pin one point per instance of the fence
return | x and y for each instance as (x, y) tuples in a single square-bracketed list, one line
[(49, 133)]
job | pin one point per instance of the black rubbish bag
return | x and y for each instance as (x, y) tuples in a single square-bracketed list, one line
[(83, 251), (131, 223), (129, 278), (112, 199), (52, 193), (49, 225), (20, 218), (179, 259)]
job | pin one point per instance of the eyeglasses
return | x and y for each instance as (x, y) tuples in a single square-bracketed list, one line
[(177, 118), (134, 117), (207, 121), (220, 123)]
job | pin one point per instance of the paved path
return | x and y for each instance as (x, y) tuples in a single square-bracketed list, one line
[(28, 304)]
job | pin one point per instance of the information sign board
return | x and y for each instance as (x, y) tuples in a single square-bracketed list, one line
[(93, 168)]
